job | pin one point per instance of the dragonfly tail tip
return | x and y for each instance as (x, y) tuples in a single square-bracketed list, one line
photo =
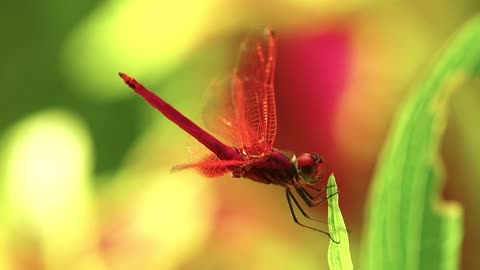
[(128, 80)]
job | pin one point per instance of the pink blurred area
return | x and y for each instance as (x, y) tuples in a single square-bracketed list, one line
[(313, 72), (332, 102)]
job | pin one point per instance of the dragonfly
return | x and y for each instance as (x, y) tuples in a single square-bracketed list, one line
[(249, 121)]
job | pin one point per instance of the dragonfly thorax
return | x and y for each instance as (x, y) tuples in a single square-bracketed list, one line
[(269, 168), (310, 167)]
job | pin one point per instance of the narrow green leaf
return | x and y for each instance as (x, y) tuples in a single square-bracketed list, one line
[(408, 226), (338, 253)]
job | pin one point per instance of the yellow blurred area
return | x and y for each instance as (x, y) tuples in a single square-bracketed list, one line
[(46, 168), (143, 37), (157, 225), (374, 39), (49, 216), (151, 38)]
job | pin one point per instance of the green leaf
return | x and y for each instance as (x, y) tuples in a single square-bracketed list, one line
[(338, 253), (408, 225)]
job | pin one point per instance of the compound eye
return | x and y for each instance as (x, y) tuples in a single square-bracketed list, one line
[(310, 167)]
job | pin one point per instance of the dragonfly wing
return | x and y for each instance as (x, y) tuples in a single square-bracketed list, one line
[(219, 115), (246, 115), (212, 166), (253, 92)]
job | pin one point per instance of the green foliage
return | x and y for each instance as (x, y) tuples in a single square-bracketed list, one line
[(407, 224), (338, 253)]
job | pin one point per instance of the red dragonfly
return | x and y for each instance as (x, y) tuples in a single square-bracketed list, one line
[(249, 121)]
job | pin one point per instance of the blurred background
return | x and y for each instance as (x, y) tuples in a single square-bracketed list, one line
[(84, 162)]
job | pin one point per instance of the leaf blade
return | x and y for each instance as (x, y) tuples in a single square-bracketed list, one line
[(338, 253), (408, 226)]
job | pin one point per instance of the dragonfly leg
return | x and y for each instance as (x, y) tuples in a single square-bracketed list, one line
[(308, 193), (309, 199), (290, 197), (318, 189), (301, 209)]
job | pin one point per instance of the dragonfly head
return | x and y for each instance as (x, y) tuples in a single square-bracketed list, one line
[(310, 167)]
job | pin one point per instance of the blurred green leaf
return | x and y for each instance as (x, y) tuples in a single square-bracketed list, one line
[(338, 253), (408, 226)]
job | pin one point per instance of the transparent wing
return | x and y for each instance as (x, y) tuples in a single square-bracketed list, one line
[(253, 93), (212, 166), (219, 114), (245, 116)]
